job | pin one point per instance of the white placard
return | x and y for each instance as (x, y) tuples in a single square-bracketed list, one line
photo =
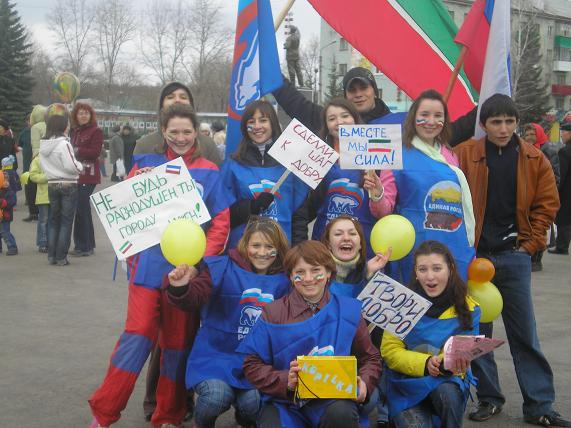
[(370, 146), (136, 211), (304, 153), (392, 306)]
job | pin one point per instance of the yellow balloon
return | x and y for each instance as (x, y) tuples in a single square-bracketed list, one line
[(25, 177), (488, 297), (183, 241), (393, 231)]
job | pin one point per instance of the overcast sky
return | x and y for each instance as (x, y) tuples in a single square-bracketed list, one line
[(33, 13)]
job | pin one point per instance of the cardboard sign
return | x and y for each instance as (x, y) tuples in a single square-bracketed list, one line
[(468, 348), (136, 211), (392, 306), (327, 377), (304, 153), (370, 146)]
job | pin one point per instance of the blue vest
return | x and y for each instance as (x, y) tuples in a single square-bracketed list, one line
[(429, 195), (344, 197), (347, 290), (329, 332), (428, 336), (150, 265), (237, 299), (247, 182)]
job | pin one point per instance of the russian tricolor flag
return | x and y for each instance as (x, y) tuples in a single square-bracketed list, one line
[(256, 65), (486, 34)]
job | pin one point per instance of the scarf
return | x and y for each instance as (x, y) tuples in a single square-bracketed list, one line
[(433, 152), (344, 268), (439, 303)]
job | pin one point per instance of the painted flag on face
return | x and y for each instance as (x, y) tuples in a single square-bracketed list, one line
[(486, 33), (410, 41), (255, 67)]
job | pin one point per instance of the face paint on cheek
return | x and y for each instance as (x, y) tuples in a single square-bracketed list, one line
[(297, 278), (440, 124), (319, 277), (249, 128), (421, 122), (273, 253)]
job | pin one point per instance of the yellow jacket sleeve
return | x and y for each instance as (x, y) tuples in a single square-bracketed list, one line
[(400, 359), (36, 173)]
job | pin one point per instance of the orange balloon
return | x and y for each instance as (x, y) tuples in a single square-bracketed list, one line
[(481, 270)]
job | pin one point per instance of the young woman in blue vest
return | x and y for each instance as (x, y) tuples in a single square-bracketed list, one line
[(308, 321), (344, 238), (250, 173), (148, 311), (230, 291), (343, 191), (432, 192), (419, 388)]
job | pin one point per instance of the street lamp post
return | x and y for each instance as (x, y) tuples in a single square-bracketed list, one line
[(321, 68)]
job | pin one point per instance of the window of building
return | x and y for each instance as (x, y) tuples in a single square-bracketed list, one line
[(549, 56), (549, 30), (343, 45), (561, 78), (342, 69), (559, 103)]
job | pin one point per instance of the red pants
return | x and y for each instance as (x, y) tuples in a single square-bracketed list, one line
[(148, 311)]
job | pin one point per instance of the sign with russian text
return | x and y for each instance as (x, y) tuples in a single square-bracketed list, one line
[(370, 146), (327, 377), (136, 211), (304, 153), (392, 306)]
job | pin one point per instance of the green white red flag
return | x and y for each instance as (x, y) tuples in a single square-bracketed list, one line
[(410, 41)]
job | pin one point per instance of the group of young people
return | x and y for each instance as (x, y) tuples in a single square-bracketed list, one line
[(230, 328)]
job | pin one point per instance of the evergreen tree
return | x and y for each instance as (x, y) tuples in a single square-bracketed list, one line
[(333, 87), (15, 80), (529, 91)]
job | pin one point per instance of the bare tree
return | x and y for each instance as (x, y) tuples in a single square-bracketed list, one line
[(209, 42), (43, 71), (114, 26), (72, 21), (309, 59), (165, 38)]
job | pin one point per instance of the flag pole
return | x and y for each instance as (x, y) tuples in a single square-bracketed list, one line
[(454, 75), (283, 14)]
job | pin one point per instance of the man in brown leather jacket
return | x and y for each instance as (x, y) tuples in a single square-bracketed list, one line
[(515, 201)]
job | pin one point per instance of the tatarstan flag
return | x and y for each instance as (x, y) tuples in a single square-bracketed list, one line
[(410, 41)]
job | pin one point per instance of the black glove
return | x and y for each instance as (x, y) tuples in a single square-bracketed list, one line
[(262, 202)]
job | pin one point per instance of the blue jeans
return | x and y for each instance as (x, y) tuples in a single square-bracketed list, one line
[(382, 406), (63, 201), (42, 229), (214, 397), (83, 235), (447, 402), (534, 375), (7, 235)]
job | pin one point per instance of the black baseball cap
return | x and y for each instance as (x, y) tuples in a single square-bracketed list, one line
[(565, 126), (362, 74)]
